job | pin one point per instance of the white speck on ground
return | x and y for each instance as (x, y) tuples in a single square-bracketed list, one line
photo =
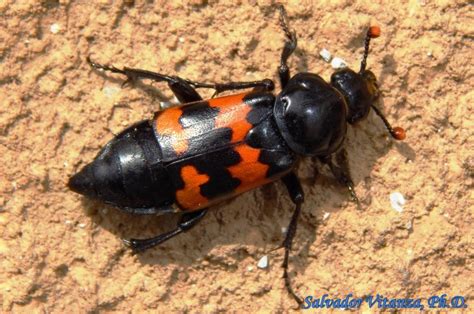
[(397, 201), (111, 90), (325, 54), (338, 63), (263, 262), (326, 215), (55, 28)]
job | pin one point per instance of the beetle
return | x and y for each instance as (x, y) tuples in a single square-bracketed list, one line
[(191, 157)]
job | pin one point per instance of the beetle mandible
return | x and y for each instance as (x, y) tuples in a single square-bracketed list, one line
[(190, 157)]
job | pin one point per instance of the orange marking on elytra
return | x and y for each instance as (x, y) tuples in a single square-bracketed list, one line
[(190, 196), (232, 114), (167, 124), (249, 170)]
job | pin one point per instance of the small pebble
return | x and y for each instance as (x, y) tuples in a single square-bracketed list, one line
[(263, 262), (326, 215), (338, 63), (250, 268), (283, 230), (181, 39), (54, 28), (397, 201), (68, 222), (82, 225), (325, 54)]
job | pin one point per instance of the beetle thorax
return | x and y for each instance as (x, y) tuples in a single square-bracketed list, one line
[(311, 115)]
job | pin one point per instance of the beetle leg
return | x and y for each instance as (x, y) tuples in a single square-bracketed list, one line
[(293, 186), (288, 49), (183, 89), (264, 85), (187, 221), (342, 173)]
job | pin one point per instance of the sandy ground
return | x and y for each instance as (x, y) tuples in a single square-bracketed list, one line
[(60, 252)]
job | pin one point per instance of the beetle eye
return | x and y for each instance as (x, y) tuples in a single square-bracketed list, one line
[(284, 103)]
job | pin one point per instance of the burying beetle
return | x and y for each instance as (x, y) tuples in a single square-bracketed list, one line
[(190, 157)]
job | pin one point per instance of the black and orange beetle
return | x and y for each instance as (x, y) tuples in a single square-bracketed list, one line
[(190, 157)]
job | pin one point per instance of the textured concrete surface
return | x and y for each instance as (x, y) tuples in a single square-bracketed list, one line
[(60, 252)]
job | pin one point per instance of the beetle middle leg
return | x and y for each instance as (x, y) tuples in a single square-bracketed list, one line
[(341, 172), (295, 190), (187, 221), (183, 89)]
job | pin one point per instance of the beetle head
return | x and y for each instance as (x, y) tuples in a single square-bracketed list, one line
[(361, 91)]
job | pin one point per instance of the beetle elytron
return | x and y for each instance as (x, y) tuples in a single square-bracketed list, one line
[(190, 157)]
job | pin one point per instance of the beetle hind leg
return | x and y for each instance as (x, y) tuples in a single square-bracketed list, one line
[(295, 190), (187, 221), (183, 89)]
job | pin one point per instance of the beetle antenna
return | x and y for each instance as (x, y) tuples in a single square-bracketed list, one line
[(397, 132), (372, 32)]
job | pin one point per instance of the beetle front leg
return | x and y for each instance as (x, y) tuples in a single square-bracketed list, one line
[(187, 221), (293, 186), (288, 49)]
